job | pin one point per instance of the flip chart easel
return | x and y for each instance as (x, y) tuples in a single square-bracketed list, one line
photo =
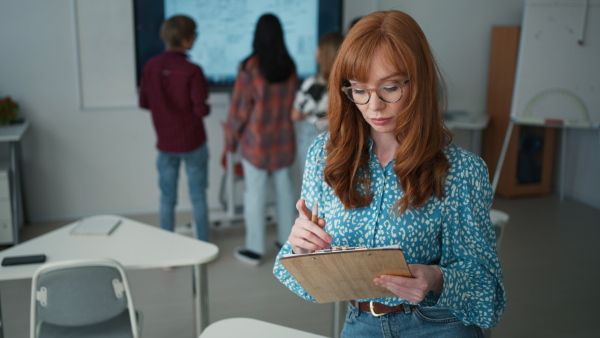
[(557, 80)]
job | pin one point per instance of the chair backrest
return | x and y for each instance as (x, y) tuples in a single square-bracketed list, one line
[(231, 158), (79, 293), (499, 220)]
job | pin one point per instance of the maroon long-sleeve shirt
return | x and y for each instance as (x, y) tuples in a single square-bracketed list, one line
[(175, 90)]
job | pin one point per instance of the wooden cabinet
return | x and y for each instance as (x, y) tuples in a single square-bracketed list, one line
[(503, 62)]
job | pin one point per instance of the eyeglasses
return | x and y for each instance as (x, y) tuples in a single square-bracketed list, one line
[(387, 93)]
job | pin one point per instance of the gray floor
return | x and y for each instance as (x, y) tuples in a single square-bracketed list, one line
[(549, 254)]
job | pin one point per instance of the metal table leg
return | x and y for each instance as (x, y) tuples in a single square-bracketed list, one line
[(15, 182), (200, 278)]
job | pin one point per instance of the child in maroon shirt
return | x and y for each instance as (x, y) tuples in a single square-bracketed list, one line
[(175, 90)]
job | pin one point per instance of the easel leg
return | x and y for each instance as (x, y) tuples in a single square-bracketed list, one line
[(498, 171), (563, 161)]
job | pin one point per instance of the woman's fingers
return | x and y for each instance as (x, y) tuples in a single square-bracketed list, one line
[(404, 287), (306, 235), (302, 209), (305, 231), (414, 289), (306, 213)]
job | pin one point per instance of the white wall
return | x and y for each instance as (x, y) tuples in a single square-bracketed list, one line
[(459, 32), (76, 162), (80, 162)]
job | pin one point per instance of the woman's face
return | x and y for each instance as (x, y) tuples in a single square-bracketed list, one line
[(381, 115)]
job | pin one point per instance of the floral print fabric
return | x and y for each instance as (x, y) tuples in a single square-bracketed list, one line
[(454, 232)]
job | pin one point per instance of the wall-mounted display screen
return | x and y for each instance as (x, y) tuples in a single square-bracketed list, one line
[(226, 30)]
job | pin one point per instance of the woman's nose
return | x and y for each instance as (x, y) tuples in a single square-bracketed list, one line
[(375, 103)]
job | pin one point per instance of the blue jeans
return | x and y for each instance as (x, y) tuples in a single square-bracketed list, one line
[(421, 322), (305, 137), (255, 196), (196, 166)]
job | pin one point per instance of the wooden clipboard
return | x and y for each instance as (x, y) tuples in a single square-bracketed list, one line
[(346, 273)]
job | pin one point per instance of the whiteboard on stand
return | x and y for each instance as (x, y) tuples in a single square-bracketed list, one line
[(557, 80), (105, 53)]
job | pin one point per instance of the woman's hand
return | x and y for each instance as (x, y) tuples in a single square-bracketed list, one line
[(308, 236), (425, 278)]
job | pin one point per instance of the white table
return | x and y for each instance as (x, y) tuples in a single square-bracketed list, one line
[(474, 123), (251, 328), (133, 244), (12, 134)]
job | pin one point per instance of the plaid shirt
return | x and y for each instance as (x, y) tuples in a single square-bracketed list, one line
[(260, 119), (175, 90)]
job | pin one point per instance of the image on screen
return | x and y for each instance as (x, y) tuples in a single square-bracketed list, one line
[(226, 31)]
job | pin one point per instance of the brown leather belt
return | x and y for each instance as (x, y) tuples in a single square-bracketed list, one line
[(378, 309)]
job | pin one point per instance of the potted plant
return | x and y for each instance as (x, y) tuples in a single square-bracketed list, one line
[(8, 110)]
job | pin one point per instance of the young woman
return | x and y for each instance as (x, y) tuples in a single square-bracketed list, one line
[(310, 105), (387, 173), (259, 122)]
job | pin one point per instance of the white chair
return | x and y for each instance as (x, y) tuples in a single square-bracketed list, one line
[(499, 220), (339, 318), (82, 298)]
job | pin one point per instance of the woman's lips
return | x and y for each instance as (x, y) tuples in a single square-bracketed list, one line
[(380, 121)]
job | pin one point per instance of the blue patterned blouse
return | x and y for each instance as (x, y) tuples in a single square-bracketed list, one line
[(454, 232)]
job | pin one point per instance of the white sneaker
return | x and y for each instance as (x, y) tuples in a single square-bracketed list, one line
[(186, 230), (247, 256)]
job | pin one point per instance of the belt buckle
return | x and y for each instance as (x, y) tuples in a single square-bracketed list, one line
[(375, 314)]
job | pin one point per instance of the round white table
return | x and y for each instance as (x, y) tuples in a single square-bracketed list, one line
[(247, 327)]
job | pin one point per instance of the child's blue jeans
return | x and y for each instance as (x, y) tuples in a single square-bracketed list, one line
[(255, 197), (196, 167)]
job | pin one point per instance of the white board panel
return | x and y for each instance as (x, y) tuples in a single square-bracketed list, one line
[(106, 47), (558, 69)]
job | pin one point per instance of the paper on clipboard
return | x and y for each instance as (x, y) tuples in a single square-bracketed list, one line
[(102, 225), (346, 273)]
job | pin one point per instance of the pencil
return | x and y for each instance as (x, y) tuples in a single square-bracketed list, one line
[(315, 216)]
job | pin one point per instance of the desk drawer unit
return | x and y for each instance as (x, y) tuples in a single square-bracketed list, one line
[(6, 226)]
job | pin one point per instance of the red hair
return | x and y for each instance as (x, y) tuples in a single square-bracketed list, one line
[(421, 165)]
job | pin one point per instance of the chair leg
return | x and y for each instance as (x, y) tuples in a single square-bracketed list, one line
[(222, 197), (339, 314)]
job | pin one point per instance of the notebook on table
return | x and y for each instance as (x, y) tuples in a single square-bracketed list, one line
[(102, 225)]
